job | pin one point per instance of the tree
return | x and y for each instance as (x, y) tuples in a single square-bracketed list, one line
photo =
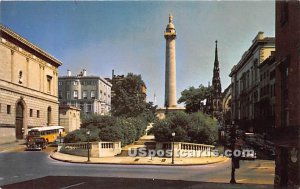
[(195, 128), (193, 98), (129, 100)]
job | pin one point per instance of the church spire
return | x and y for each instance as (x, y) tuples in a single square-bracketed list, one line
[(216, 98), (216, 65)]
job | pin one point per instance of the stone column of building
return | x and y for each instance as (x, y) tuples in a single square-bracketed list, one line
[(12, 66), (170, 80)]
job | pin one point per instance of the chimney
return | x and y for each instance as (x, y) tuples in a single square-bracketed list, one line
[(69, 73), (112, 74), (84, 72)]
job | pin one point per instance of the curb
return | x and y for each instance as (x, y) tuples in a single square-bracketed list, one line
[(143, 164), (9, 149)]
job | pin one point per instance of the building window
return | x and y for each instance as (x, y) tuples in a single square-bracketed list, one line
[(93, 94), (8, 110), (20, 77), (60, 94), (38, 113), (75, 94), (49, 78), (89, 108), (31, 112), (60, 83), (68, 94), (84, 94), (75, 83)]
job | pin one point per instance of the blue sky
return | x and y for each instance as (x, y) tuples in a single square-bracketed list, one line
[(128, 36)]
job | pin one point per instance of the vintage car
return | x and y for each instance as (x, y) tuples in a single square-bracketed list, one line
[(36, 143)]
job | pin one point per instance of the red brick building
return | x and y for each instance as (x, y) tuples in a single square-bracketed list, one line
[(287, 110)]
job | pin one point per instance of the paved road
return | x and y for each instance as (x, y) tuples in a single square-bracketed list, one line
[(22, 166), (64, 182)]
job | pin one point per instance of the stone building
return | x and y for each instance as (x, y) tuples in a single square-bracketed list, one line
[(28, 86), (287, 110), (69, 118), (226, 105), (92, 94), (245, 82), (265, 120)]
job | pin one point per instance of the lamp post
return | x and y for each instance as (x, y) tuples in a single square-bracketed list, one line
[(173, 136), (88, 147), (59, 136), (232, 180)]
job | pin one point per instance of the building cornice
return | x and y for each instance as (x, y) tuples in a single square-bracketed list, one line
[(28, 44), (85, 77), (250, 51), (28, 55)]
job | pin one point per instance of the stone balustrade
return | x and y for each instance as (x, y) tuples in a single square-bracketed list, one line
[(98, 149), (184, 149)]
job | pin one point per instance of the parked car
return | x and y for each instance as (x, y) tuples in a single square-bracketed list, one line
[(36, 143)]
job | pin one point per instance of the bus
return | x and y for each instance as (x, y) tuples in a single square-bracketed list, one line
[(49, 133)]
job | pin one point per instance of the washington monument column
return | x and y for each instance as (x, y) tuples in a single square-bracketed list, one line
[(170, 80)]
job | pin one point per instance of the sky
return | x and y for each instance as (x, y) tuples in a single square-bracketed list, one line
[(128, 36)]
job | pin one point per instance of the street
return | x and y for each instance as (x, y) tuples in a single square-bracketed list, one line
[(18, 166)]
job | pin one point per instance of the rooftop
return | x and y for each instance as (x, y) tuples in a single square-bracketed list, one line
[(9, 32)]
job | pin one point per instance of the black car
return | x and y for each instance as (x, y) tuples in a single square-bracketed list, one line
[(36, 143)]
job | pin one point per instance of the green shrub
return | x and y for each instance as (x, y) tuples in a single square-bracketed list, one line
[(109, 128), (195, 128)]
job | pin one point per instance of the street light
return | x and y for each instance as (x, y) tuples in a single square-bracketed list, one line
[(59, 136), (173, 136), (232, 138), (88, 147)]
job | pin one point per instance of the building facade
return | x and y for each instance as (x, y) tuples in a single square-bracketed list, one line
[(245, 82), (287, 109), (28, 86), (69, 118), (265, 119), (92, 94), (226, 105)]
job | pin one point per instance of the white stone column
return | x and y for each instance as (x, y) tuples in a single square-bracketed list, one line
[(171, 73), (170, 77)]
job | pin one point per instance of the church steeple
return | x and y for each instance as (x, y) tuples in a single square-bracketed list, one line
[(216, 98), (216, 55), (216, 75)]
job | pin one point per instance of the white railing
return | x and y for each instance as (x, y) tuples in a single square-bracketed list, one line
[(186, 149), (97, 149), (74, 146)]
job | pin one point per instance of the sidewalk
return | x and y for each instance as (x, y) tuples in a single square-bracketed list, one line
[(12, 146), (138, 160)]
